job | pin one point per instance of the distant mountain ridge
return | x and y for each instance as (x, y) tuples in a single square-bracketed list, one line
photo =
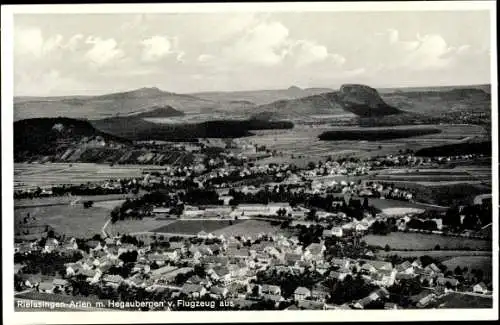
[(262, 97), (114, 104), (293, 102)]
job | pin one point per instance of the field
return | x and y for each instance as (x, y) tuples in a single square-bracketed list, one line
[(439, 255), (50, 174), (376, 134), (71, 220), (435, 177), (99, 200), (303, 141), (247, 228), (483, 263), (457, 300), (417, 241), (394, 204), (136, 226), (192, 227)]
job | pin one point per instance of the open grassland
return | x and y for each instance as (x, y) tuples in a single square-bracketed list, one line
[(50, 174), (458, 300), (136, 226), (417, 241), (467, 176), (394, 204), (192, 227), (303, 140), (439, 255), (483, 263), (443, 193), (67, 219), (247, 228), (99, 200)]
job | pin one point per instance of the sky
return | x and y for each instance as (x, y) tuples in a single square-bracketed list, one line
[(85, 54)]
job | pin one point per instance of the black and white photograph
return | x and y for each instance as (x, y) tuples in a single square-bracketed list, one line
[(322, 161)]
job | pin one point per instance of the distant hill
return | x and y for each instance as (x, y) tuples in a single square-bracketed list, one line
[(115, 104), (360, 100), (47, 136), (261, 97), (442, 101), (157, 112), (325, 103), (390, 107), (363, 101)]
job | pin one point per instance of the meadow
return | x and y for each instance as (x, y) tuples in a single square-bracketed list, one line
[(303, 141), (418, 241), (70, 220), (438, 255), (136, 226), (392, 204), (51, 174), (250, 228), (192, 227), (483, 263)]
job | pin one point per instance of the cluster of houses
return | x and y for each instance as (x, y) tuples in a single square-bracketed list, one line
[(230, 269)]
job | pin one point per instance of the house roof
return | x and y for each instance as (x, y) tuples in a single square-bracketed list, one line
[(270, 287), (163, 270), (275, 298), (433, 267), (382, 292), (59, 282), (310, 304), (403, 266), (221, 271), (404, 276), (190, 288), (217, 290), (292, 257), (365, 301), (93, 243), (195, 279), (158, 257), (482, 285), (302, 291), (451, 281), (379, 265), (45, 285), (114, 278), (315, 248), (338, 261)]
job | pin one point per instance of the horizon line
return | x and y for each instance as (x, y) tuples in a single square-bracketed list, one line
[(250, 90)]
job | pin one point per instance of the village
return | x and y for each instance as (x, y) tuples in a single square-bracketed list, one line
[(318, 258)]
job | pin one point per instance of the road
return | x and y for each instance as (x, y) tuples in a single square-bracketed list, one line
[(103, 230)]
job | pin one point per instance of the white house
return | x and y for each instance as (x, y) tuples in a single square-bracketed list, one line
[(480, 288)]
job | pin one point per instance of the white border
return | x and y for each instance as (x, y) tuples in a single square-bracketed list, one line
[(239, 316)]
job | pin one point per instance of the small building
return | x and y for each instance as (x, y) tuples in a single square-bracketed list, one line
[(112, 280), (46, 286), (480, 288), (271, 289), (193, 290), (301, 293)]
